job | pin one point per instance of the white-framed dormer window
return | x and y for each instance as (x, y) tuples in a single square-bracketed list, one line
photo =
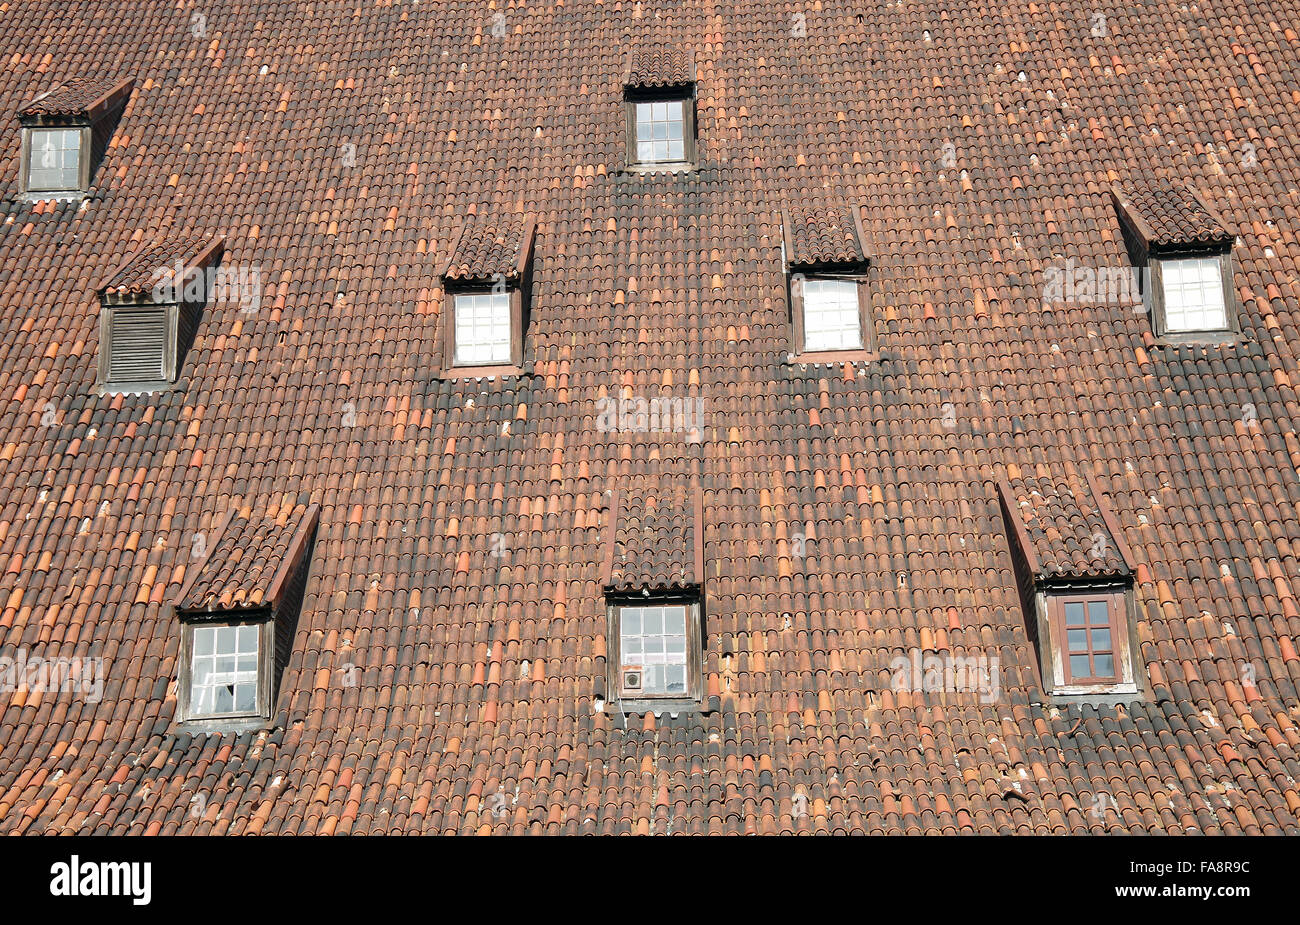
[(1194, 294), (832, 315), (483, 335), (55, 159), (660, 131)]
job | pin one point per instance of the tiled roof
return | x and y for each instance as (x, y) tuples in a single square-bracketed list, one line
[(156, 262), (250, 561), (660, 64), (451, 638), (819, 234), (1062, 529), (1165, 213), (655, 540), (76, 97), (490, 246)]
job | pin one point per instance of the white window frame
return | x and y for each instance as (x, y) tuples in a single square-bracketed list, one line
[(819, 300), (462, 314), (29, 136), (1208, 285)]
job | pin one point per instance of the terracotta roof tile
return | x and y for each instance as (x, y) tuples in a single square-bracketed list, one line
[(76, 97), (654, 540), (820, 234), (660, 64), (156, 263), (1166, 213), (490, 246), (451, 640), (1065, 530), (249, 561)]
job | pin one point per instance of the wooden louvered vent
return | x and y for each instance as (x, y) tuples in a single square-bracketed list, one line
[(137, 345)]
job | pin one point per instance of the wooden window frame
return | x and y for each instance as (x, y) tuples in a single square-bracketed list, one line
[(1055, 655), (690, 150), (518, 322), (257, 718), (171, 362), (637, 701), (1154, 297), (866, 322), (83, 161)]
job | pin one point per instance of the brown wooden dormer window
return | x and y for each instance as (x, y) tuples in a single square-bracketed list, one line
[(654, 566), (657, 649), (65, 132), (1089, 629), (1182, 251), (150, 308), (238, 613), (659, 105), (486, 289), (1075, 576), (829, 285)]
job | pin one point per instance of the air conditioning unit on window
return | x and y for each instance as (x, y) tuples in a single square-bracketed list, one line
[(632, 679)]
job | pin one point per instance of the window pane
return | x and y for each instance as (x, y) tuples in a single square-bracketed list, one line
[(1100, 640), (1194, 294), (660, 131), (1079, 666), (223, 699), (245, 697), (655, 638), (675, 679), (1099, 613), (55, 164), (831, 319), (483, 328), (1105, 665), (1074, 613), (1078, 640), (224, 669)]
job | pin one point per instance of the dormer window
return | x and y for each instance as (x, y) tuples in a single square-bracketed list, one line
[(238, 613), (653, 571), (832, 313), (484, 328), (659, 95), (657, 647), (55, 160), (829, 284), (1183, 252), (1076, 577), (65, 132), (486, 298), (150, 309), (660, 132), (1194, 295), (1089, 627)]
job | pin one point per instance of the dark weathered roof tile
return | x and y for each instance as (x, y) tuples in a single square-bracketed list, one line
[(660, 64), (249, 562), (1166, 213)]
